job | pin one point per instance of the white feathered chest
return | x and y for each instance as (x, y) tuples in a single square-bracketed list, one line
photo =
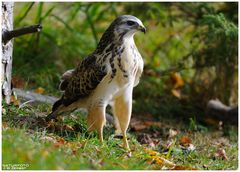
[(124, 70)]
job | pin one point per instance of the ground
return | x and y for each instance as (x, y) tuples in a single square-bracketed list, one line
[(32, 143)]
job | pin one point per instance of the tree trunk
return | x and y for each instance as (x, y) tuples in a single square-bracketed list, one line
[(7, 49)]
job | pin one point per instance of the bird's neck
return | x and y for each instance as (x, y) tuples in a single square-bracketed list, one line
[(128, 39)]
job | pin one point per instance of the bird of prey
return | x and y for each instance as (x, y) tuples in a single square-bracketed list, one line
[(105, 77)]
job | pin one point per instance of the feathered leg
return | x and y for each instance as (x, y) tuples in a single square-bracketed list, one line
[(96, 120), (122, 108)]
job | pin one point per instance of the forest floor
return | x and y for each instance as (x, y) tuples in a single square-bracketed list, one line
[(28, 142)]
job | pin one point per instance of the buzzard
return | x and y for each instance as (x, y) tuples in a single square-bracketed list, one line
[(105, 77)]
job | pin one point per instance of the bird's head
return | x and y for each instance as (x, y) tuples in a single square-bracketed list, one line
[(122, 27), (127, 25)]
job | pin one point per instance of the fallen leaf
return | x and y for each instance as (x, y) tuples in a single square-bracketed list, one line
[(191, 147), (74, 152), (185, 140), (152, 123), (59, 142), (172, 133), (145, 139), (4, 111), (139, 127), (205, 166), (18, 82), (163, 162), (48, 138), (15, 101), (221, 153), (176, 93), (177, 80), (211, 121), (150, 152), (39, 90), (68, 127), (4, 125)]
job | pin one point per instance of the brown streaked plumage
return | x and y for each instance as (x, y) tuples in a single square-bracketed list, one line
[(107, 76)]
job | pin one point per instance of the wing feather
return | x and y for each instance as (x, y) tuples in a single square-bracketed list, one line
[(84, 79)]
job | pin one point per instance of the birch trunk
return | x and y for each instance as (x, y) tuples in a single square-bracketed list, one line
[(7, 49)]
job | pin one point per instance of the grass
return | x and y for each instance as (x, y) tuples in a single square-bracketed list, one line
[(67, 145), (42, 149), (81, 153)]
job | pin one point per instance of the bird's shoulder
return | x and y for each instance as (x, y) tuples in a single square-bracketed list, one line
[(84, 79)]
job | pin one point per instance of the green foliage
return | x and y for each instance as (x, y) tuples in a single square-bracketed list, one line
[(220, 26), (194, 39)]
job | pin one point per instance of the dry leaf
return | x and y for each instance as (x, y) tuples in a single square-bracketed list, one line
[(18, 82), (15, 101), (68, 127), (59, 142), (47, 138), (172, 133), (145, 139), (39, 90), (211, 121), (205, 166), (176, 93), (4, 125), (152, 123), (177, 80), (185, 140), (139, 127), (221, 153), (191, 147), (74, 152), (163, 163)]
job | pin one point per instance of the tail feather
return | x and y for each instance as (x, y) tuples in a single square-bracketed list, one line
[(53, 114), (57, 104)]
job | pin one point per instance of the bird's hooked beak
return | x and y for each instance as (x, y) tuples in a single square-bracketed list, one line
[(142, 28)]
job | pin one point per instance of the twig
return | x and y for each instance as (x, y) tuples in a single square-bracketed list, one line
[(8, 35), (23, 104)]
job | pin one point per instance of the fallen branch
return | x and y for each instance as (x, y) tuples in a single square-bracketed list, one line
[(31, 97), (217, 110), (8, 35)]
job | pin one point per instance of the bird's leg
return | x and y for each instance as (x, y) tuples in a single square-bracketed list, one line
[(122, 110), (118, 130), (96, 120)]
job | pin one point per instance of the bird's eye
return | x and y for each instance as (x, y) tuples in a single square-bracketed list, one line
[(130, 23)]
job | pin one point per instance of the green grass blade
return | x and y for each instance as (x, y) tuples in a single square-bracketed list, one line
[(25, 14)]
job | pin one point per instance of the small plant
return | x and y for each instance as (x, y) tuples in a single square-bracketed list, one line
[(193, 124)]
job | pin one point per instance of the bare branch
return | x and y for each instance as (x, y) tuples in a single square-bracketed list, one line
[(8, 35)]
